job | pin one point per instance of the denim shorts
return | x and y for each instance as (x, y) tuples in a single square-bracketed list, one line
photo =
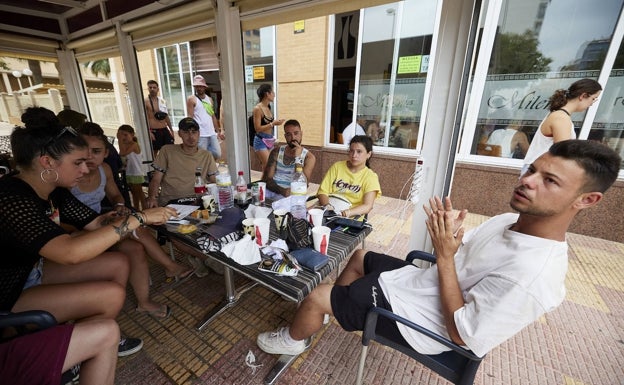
[(34, 278), (263, 141)]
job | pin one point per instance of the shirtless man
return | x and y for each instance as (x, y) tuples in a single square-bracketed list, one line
[(157, 118)]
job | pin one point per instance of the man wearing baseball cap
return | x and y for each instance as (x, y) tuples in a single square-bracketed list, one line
[(175, 165), (202, 109), (174, 177)]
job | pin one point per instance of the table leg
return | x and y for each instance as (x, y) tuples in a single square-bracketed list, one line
[(281, 365), (231, 297)]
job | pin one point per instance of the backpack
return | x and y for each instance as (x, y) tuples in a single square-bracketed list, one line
[(251, 130)]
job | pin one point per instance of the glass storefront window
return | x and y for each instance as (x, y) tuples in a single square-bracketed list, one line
[(540, 46), (396, 42), (259, 47), (174, 70), (608, 125)]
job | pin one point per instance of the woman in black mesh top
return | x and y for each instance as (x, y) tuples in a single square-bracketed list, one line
[(34, 203)]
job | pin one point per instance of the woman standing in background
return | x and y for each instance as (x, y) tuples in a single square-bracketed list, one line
[(558, 125), (130, 150), (264, 121)]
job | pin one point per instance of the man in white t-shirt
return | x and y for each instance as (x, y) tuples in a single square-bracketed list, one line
[(201, 107), (488, 283), (353, 129)]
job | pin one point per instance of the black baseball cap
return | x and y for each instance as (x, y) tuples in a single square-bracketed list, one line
[(187, 124)]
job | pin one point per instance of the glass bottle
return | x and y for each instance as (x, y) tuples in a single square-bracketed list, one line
[(200, 186), (241, 190)]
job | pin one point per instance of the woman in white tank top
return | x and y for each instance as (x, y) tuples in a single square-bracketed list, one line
[(558, 125)]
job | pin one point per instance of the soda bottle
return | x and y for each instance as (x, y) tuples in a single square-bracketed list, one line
[(224, 187), (241, 190), (298, 192), (200, 186)]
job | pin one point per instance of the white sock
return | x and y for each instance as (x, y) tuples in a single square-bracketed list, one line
[(288, 340)]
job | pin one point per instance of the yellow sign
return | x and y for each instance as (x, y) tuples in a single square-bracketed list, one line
[(258, 73), (409, 64), (299, 26)]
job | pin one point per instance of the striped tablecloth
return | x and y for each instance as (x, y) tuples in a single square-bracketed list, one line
[(341, 245)]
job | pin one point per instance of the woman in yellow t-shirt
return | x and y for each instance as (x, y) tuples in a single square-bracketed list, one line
[(352, 179)]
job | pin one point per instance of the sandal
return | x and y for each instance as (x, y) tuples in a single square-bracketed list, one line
[(161, 313), (180, 277)]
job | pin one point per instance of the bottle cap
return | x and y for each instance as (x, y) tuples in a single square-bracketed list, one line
[(240, 173)]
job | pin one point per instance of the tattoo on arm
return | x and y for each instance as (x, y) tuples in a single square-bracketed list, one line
[(273, 186), (269, 172), (272, 159), (122, 230)]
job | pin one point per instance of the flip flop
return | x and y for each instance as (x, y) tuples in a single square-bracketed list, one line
[(161, 313), (180, 277)]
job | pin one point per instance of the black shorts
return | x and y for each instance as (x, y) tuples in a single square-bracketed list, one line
[(162, 136), (350, 304)]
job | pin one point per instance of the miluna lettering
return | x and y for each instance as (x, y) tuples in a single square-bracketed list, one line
[(530, 101)]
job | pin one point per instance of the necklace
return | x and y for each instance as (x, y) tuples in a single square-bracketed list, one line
[(564, 110)]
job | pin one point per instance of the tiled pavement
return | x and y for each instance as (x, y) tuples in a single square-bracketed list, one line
[(581, 342)]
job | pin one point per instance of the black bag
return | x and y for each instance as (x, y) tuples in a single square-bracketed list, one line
[(298, 233), (251, 130), (160, 115)]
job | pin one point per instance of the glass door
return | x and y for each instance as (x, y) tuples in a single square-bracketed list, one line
[(396, 42)]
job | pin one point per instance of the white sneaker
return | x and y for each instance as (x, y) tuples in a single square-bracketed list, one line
[(274, 343)]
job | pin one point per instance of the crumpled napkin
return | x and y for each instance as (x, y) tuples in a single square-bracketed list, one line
[(254, 211), (283, 203), (280, 244), (250, 360), (244, 251)]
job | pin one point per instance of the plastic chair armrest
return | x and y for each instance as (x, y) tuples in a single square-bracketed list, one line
[(377, 311), (417, 254)]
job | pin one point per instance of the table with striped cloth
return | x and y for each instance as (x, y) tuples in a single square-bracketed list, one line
[(341, 246)]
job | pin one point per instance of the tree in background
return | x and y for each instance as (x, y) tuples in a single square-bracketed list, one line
[(98, 67), (516, 54)]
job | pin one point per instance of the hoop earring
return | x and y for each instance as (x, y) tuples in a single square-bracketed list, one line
[(47, 172)]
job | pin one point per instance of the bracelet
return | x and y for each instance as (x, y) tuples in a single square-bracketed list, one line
[(139, 217), (120, 204), (122, 230)]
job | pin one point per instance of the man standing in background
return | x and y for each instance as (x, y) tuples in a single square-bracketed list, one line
[(201, 108), (157, 118)]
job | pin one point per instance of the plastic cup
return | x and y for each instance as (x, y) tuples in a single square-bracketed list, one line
[(320, 236), (281, 221), (261, 228), (315, 217), (249, 228), (261, 192)]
